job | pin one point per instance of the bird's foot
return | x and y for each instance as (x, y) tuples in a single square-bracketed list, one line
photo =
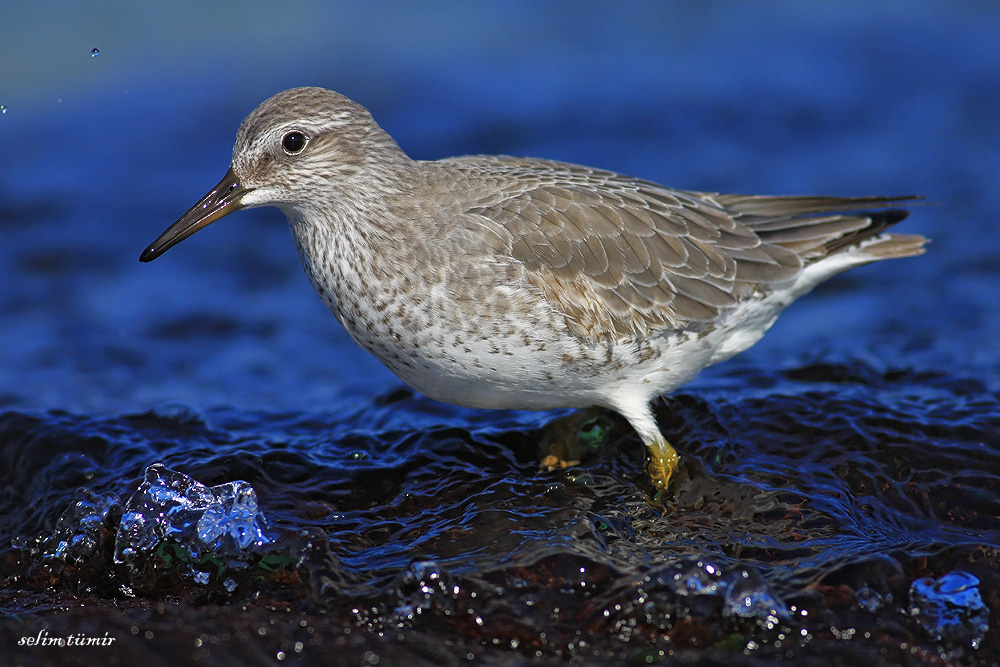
[(663, 463), (571, 439)]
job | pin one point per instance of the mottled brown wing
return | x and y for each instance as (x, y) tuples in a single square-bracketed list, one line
[(626, 259)]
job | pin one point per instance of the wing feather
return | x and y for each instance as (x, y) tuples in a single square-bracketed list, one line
[(626, 259)]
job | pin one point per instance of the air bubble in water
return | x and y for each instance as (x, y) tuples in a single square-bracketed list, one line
[(94, 53)]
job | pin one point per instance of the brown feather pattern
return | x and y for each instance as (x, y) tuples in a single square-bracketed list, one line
[(627, 259)]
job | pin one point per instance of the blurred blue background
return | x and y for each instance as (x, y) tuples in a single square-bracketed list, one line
[(101, 152)]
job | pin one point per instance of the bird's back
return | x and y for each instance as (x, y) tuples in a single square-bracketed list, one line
[(625, 259)]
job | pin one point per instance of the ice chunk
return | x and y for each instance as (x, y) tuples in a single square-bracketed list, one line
[(222, 520), (701, 577), (422, 586), (79, 534), (871, 600), (950, 608), (749, 596)]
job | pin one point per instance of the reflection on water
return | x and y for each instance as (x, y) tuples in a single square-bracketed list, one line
[(802, 511)]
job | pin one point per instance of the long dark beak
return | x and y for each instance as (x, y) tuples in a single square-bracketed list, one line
[(224, 198)]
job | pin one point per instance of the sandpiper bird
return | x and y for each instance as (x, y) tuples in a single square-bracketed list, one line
[(509, 282)]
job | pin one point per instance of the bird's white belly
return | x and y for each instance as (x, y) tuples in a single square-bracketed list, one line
[(510, 372), (523, 371)]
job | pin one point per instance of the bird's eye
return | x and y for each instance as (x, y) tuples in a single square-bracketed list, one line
[(293, 142)]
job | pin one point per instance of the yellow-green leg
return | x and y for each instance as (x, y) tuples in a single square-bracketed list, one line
[(663, 459), (663, 462), (570, 439)]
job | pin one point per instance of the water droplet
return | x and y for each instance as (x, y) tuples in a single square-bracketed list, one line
[(94, 53), (3, 108)]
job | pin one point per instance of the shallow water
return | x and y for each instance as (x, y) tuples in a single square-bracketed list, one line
[(839, 496)]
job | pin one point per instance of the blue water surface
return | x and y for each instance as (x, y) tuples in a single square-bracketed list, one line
[(852, 452)]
